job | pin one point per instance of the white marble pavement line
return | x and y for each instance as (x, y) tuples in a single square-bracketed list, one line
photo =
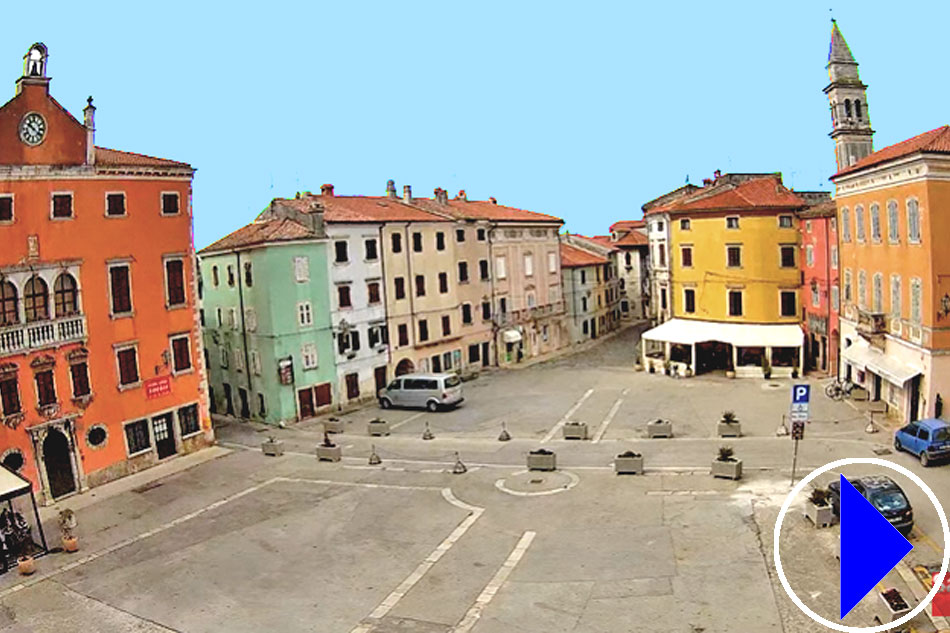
[(567, 416), (607, 420), (406, 585), (481, 602), (415, 416)]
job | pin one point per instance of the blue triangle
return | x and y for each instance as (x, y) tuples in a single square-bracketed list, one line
[(870, 547)]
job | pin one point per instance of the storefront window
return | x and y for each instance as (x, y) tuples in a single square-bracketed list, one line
[(784, 356), (750, 355), (681, 353)]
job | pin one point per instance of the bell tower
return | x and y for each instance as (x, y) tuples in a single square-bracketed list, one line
[(847, 96), (34, 68)]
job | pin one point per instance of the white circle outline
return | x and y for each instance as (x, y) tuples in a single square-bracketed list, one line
[(801, 486)]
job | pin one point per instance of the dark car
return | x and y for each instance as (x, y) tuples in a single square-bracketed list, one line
[(884, 494)]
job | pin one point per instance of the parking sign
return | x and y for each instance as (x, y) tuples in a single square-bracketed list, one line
[(800, 394)]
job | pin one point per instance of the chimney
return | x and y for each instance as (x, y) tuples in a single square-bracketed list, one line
[(717, 174), (493, 201), (707, 182), (406, 194), (326, 190), (89, 117), (391, 189), (462, 195), (441, 195)]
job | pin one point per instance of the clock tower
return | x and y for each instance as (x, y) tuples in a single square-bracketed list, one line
[(847, 96)]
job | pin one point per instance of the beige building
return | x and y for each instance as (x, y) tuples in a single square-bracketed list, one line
[(594, 287)]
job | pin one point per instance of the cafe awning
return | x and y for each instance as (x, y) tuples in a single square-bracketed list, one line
[(12, 485), (690, 332), (511, 336), (865, 357)]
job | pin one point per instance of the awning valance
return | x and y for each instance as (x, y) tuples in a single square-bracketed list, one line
[(690, 332), (864, 357), (511, 336)]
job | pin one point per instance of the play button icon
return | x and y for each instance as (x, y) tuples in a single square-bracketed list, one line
[(870, 547)]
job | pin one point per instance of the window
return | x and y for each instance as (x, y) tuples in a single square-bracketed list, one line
[(341, 252), (735, 303), (474, 355), (486, 310), (62, 205), (483, 269), (248, 275), (65, 296), (188, 420), (439, 241), (6, 208), (583, 277), (893, 230), (686, 256), (480, 235), (733, 256), (370, 250), (219, 316), (785, 221), (586, 327), (583, 304), (913, 222), (255, 358), (79, 372), (467, 313), (459, 235), (500, 272), (659, 225), (896, 296), (815, 296), (788, 300), (530, 299), (396, 242), (420, 285), (859, 222), (732, 222), (834, 257), (835, 298), (137, 437), (225, 356), (528, 264), (661, 252), (230, 275), (403, 330), (916, 311), (684, 224), (862, 289), (343, 296), (214, 276), (115, 204), (181, 353), (845, 225), (170, 203), (10, 395), (128, 366), (417, 242), (809, 255), (308, 354), (36, 300), (875, 222), (552, 262), (304, 314), (463, 272), (238, 359), (877, 293), (261, 409), (9, 309), (372, 289), (848, 295), (787, 253), (372, 333), (443, 283), (423, 330), (45, 388), (400, 287), (301, 269), (446, 326), (663, 298), (175, 282), (503, 305), (689, 300), (808, 226)]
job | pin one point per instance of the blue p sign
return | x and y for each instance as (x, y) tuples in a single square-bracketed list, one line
[(800, 393)]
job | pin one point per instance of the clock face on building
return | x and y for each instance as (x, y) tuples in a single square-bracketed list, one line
[(32, 129)]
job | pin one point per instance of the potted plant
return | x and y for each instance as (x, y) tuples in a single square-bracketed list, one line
[(327, 451), (22, 549), (659, 428), (542, 459), (629, 463), (725, 465), (689, 371), (272, 446), (729, 425), (668, 367), (897, 607), (794, 372), (818, 508), (651, 367), (575, 430), (766, 367), (67, 527), (378, 427), (333, 425)]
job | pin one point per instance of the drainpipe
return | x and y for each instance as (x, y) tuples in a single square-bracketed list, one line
[(411, 289), (247, 357), (385, 290), (491, 283), (828, 286)]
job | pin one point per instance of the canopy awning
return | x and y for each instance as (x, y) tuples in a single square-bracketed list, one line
[(12, 485), (511, 336), (690, 332), (864, 357)]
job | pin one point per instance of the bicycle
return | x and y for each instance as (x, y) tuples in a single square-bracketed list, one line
[(839, 389)]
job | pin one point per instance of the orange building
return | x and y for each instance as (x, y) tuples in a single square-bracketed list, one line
[(101, 364)]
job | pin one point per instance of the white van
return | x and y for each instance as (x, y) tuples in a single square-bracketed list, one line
[(430, 391)]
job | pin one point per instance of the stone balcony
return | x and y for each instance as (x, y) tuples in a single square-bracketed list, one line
[(25, 337)]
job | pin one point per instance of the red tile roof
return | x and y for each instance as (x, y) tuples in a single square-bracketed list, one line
[(283, 230), (114, 157), (935, 142), (356, 209), (766, 192), (633, 238), (573, 257), (603, 241), (628, 225), (483, 210)]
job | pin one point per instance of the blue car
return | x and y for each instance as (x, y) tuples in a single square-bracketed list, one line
[(927, 439)]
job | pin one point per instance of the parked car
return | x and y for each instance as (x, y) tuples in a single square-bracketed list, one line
[(927, 439), (884, 494), (429, 391)]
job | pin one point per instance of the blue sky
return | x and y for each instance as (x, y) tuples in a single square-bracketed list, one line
[(581, 110)]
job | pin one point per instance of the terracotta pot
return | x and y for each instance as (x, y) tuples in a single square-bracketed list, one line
[(70, 544), (26, 565)]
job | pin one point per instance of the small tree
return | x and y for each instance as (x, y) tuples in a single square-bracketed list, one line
[(819, 496), (729, 417), (725, 454)]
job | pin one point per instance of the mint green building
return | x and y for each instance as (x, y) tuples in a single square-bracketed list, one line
[(266, 319)]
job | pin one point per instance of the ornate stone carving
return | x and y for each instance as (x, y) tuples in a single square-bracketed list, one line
[(43, 361), (14, 420)]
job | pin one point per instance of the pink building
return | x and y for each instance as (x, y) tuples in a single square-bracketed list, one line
[(820, 284)]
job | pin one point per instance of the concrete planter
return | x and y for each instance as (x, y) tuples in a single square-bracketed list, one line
[(274, 448), (730, 373), (329, 453), (660, 428), (575, 431), (333, 425), (727, 429), (727, 470), (378, 427), (821, 516), (628, 465), (542, 461), (895, 604)]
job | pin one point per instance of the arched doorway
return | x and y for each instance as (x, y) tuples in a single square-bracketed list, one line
[(57, 460), (405, 366)]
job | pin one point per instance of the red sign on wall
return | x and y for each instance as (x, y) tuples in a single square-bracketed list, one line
[(158, 387)]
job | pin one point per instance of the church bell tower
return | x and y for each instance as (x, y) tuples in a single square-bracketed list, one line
[(847, 96)]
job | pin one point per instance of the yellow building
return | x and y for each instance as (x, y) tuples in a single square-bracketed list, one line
[(735, 279)]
